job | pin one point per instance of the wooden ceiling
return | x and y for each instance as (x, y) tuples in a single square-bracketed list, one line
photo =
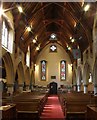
[(56, 17)]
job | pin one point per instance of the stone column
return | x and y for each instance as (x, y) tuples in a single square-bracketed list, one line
[(95, 89), (21, 87), (75, 87), (85, 88), (78, 88), (31, 87), (95, 36), (10, 88)]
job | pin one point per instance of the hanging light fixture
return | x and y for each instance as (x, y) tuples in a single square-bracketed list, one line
[(37, 48), (75, 24), (28, 29), (72, 40), (86, 8), (20, 9), (34, 40), (69, 48)]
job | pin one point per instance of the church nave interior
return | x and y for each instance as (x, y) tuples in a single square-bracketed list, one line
[(48, 60)]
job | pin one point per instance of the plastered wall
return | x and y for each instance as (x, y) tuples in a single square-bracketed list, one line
[(53, 66)]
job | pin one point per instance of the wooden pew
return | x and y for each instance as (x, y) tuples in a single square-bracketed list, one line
[(40, 99), (8, 112), (75, 105), (75, 110), (28, 110), (29, 105), (91, 112)]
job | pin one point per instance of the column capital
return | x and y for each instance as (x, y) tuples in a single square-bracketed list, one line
[(85, 85), (9, 85), (95, 85)]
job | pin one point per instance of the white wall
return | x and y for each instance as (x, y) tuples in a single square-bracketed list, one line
[(53, 66)]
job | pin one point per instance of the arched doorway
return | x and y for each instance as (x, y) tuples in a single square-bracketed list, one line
[(53, 88)]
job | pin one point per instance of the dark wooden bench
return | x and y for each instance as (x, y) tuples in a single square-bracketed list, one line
[(28, 115), (29, 105), (91, 112), (75, 105), (75, 110), (28, 110), (8, 112)]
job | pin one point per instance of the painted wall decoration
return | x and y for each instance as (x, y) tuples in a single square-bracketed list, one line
[(63, 70), (43, 69)]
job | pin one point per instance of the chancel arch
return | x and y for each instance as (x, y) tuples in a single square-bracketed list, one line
[(53, 61)]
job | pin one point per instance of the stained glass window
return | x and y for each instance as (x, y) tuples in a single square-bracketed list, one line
[(28, 57), (53, 36), (63, 70), (7, 36), (43, 70), (53, 48)]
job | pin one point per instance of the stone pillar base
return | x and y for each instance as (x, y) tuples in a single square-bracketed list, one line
[(75, 87), (85, 89), (95, 89), (20, 87), (10, 88), (78, 88)]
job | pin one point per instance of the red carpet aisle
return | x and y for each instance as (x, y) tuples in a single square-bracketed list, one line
[(52, 109)]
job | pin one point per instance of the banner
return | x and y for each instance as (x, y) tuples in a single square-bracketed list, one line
[(76, 53)]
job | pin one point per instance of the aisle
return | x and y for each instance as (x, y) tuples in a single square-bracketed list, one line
[(52, 109)]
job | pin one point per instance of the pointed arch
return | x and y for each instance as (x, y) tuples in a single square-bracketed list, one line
[(10, 77), (20, 72), (95, 72), (95, 35), (3, 82)]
